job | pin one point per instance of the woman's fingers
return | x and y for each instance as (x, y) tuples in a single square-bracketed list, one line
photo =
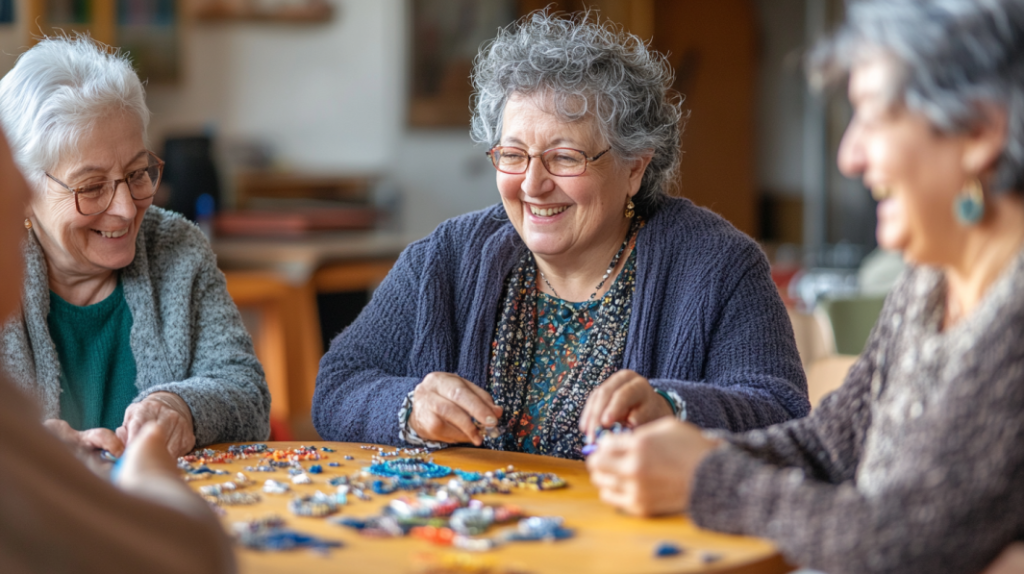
[(445, 404), (430, 423), (168, 411), (146, 457), (487, 399), (102, 439), (596, 403)]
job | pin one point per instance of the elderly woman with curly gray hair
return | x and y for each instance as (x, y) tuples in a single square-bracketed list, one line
[(915, 464), (125, 318), (588, 297)]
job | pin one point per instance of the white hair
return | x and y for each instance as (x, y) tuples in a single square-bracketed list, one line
[(54, 94)]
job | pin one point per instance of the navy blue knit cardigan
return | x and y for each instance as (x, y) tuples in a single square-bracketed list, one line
[(707, 322)]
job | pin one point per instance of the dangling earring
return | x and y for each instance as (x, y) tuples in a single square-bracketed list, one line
[(969, 205), (28, 223), (881, 193), (630, 208)]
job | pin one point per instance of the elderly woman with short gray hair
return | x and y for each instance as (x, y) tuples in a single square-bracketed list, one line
[(125, 317), (915, 464), (589, 297)]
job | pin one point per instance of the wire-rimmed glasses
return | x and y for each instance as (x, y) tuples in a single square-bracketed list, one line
[(95, 198), (559, 161)]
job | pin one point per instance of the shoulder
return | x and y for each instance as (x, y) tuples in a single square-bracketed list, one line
[(169, 244), (160, 226), (468, 233), (680, 229)]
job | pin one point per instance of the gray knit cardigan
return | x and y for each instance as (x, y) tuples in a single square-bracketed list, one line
[(187, 335), (916, 464)]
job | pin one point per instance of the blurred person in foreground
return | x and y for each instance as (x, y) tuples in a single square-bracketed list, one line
[(916, 463), (588, 297), (56, 516), (125, 318)]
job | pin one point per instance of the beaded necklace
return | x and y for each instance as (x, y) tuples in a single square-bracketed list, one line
[(567, 310)]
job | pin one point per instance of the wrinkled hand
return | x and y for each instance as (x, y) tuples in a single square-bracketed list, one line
[(649, 471), (167, 410), (444, 406), (1010, 561), (625, 397), (88, 440)]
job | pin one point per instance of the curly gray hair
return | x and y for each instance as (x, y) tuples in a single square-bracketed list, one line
[(954, 57), (587, 68)]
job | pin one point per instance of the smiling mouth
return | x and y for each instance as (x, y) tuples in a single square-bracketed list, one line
[(547, 212), (112, 234)]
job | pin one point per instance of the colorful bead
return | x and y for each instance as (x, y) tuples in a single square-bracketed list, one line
[(666, 549)]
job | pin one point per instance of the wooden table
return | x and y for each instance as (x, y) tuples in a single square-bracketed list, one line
[(605, 541)]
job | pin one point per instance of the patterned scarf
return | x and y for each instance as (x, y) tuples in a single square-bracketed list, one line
[(512, 355)]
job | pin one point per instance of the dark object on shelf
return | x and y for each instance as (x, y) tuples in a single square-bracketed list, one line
[(190, 173)]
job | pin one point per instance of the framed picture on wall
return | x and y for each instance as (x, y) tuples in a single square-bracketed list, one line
[(446, 35), (148, 31)]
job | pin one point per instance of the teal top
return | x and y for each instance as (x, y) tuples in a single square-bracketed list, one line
[(97, 368)]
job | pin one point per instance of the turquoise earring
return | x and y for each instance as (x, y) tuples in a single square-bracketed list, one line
[(969, 205)]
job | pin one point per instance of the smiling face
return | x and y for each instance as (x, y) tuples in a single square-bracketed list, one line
[(898, 150), (565, 220), (14, 195), (85, 246)]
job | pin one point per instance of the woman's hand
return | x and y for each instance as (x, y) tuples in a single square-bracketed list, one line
[(167, 410), (444, 406), (146, 458), (625, 397), (649, 471), (1010, 561), (89, 440)]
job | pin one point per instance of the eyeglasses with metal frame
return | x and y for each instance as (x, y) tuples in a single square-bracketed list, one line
[(95, 198), (559, 161)]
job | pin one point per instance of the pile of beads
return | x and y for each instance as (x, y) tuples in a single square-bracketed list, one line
[(301, 478), (276, 487), (270, 534), (240, 481), (233, 498), (410, 467), (315, 505)]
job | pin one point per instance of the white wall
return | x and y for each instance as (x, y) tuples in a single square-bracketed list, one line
[(330, 98)]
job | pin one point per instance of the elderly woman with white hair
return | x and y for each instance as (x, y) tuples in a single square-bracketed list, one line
[(125, 317), (915, 464), (588, 297)]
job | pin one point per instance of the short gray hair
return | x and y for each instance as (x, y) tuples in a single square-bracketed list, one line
[(954, 57), (55, 91), (587, 67)]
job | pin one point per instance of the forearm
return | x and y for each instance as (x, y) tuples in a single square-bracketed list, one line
[(835, 528), (224, 409), (359, 406), (733, 408)]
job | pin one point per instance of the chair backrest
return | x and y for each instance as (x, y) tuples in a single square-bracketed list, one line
[(813, 336), (827, 375), (851, 320)]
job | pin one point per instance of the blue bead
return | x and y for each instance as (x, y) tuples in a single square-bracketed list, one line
[(333, 464), (316, 469), (666, 549), (565, 313)]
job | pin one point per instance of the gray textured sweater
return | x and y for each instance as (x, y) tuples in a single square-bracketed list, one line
[(187, 335), (915, 464)]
